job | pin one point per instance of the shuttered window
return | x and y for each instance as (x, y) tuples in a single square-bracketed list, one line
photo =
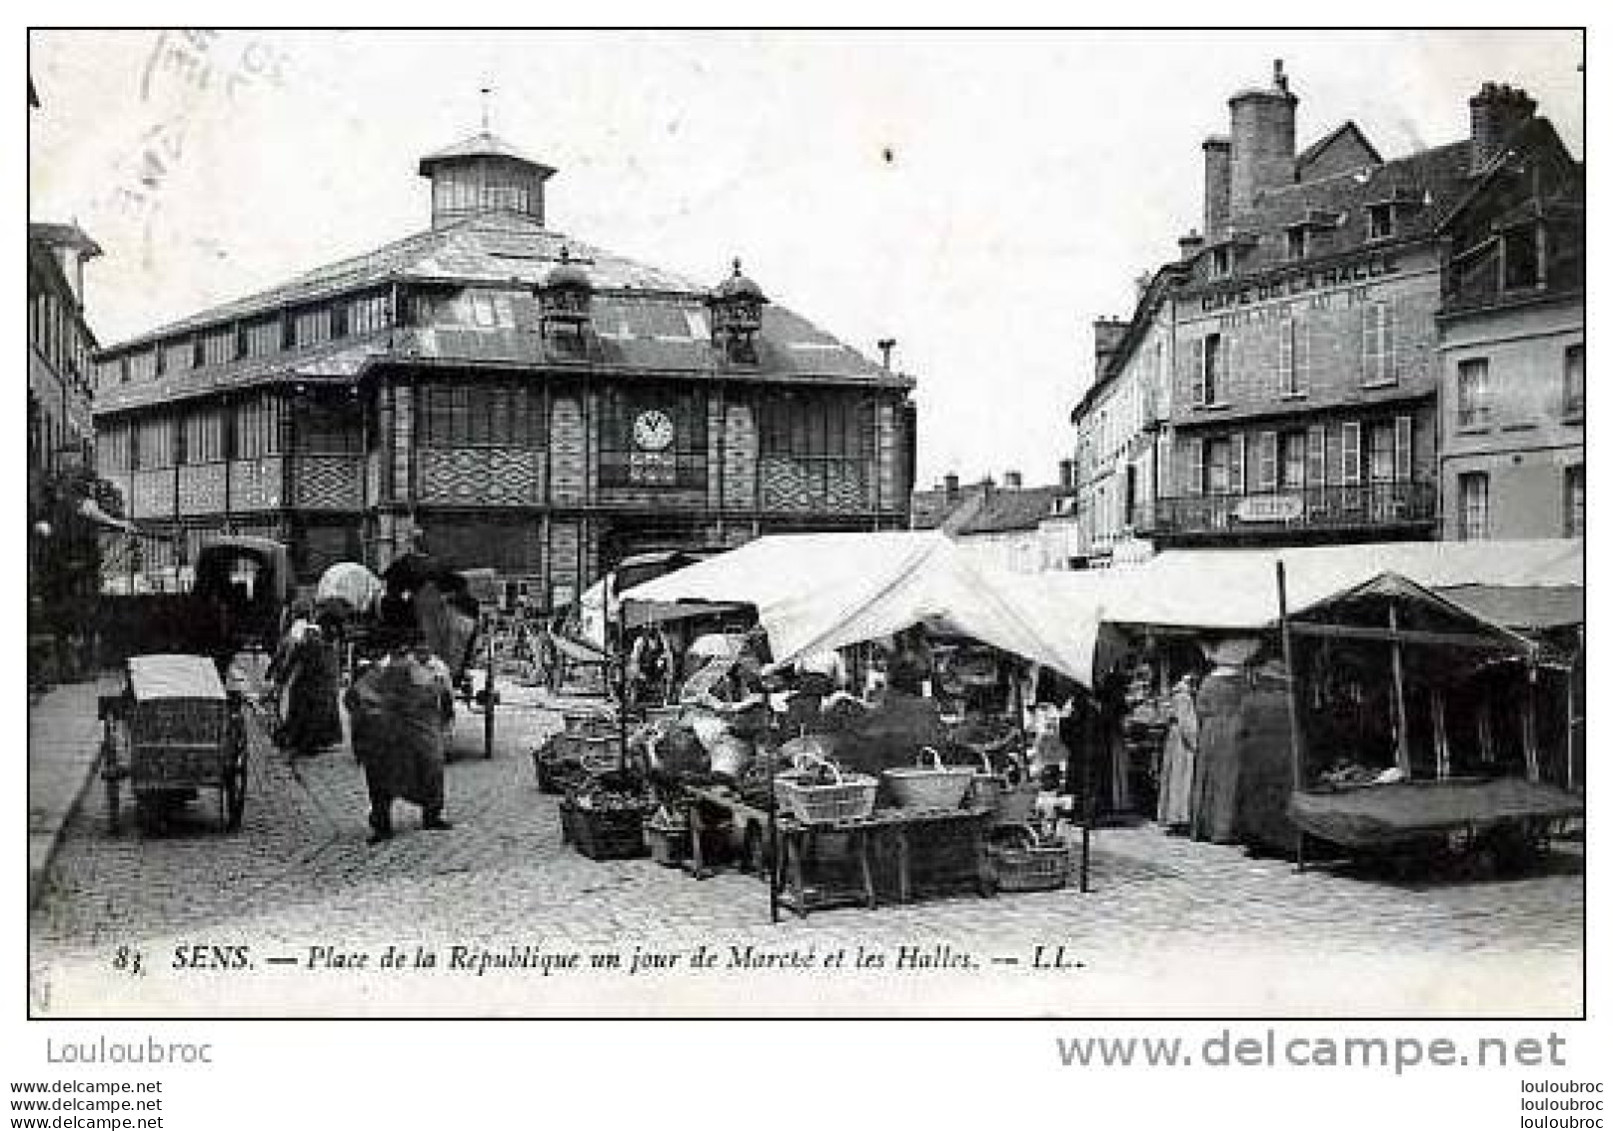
[(1267, 473), (1193, 450), (264, 336), (203, 435), (1377, 344), (1235, 465), (257, 426), (1292, 471), (1381, 452), (481, 415), (1316, 456), (1196, 370), (1350, 453)]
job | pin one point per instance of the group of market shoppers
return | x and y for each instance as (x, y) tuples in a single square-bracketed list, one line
[(1225, 772), (400, 706)]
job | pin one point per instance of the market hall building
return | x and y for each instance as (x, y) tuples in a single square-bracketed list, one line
[(501, 395), (1281, 383)]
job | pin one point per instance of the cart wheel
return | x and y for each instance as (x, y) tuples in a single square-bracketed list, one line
[(235, 782)]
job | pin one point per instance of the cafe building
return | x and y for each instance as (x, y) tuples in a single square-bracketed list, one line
[(500, 395), (1300, 330)]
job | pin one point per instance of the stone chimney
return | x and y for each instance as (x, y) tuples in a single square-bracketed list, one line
[(1190, 245), (1217, 185), (950, 486), (1262, 143), (1496, 113), (1012, 481), (1106, 335)]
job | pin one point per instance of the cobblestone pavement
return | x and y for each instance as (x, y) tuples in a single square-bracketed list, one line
[(1170, 926)]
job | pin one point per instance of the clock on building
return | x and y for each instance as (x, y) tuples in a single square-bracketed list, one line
[(652, 430)]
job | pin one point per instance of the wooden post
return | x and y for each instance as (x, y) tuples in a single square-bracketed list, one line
[(487, 705), (1397, 671), (1442, 743), (1296, 748), (1531, 729), (621, 671)]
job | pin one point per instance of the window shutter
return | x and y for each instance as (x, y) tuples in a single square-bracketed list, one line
[(1350, 453), (1302, 356), (1235, 466), (1285, 355), (1386, 341), (1316, 456), (1268, 461), (1196, 362), (1366, 345), (1194, 449), (1403, 449)]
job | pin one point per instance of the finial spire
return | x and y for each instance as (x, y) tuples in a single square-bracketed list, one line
[(737, 271), (487, 113)]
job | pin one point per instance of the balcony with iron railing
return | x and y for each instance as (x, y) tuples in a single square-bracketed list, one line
[(1388, 505)]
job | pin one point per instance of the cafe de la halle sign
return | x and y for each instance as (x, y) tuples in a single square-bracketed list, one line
[(1298, 282)]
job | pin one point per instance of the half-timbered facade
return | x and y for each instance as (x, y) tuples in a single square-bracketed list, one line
[(501, 395)]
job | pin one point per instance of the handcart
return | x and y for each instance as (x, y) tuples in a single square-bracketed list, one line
[(171, 731)]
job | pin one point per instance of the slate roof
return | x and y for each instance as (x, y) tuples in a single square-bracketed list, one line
[(1340, 132), (645, 319), (932, 510), (984, 508), (1005, 510), (1437, 178), (484, 144)]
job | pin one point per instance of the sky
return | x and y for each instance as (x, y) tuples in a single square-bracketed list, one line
[(980, 197)]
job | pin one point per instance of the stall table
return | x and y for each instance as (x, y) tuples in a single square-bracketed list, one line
[(905, 848)]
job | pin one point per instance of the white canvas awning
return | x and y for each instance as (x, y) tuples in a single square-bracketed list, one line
[(815, 592)]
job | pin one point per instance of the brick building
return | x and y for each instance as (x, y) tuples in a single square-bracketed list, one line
[(1280, 382), (502, 395)]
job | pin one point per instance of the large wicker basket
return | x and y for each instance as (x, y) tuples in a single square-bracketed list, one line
[(1025, 862), (930, 787), (850, 797)]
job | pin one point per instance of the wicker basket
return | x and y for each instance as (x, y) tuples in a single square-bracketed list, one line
[(930, 787), (603, 834), (1024, 863), (669, 840), (850, 797)]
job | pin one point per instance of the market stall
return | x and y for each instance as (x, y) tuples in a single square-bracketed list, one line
[(897, 828), (1397, 739)]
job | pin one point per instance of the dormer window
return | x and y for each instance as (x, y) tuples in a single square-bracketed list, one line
[(1380, 221), (1220, 262), (736, 317), (566, 303), (1298, 242), (1521, 258)]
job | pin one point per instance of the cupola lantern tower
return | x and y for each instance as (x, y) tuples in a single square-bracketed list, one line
[(483, 173)]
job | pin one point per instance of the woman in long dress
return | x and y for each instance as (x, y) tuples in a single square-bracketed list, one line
[(1215, 773), (310, 719), (1181, 752)]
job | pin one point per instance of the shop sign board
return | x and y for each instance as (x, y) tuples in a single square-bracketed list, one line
[(1270, 508)]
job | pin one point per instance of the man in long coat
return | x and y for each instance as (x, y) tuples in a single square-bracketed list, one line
[(398, 708)]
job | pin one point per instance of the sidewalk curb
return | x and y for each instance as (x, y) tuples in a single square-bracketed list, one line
[(39, 864)]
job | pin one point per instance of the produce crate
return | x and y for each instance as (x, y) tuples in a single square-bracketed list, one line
[(603, 834)]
